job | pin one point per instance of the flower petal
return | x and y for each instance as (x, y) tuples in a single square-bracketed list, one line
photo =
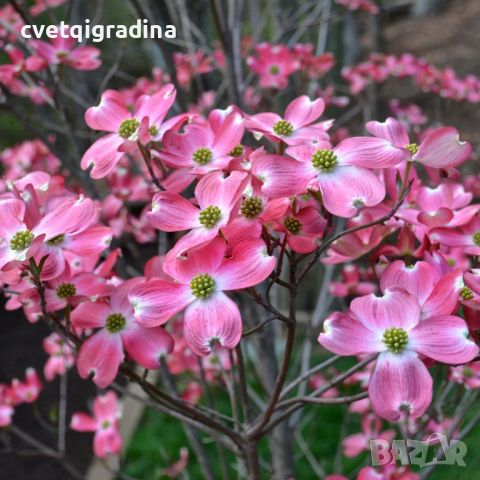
[(443, 338), (216, 319), (396, 308), (400, 383), (101, 356), (156, 301), (343, 334)]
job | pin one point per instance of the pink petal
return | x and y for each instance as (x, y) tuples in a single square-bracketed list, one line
[(216, 319), (109, 113), (282, 177), (396, 308), (450, 237), (82, 422), (444, 298), (72, 216), (302, 111), (230, 135), (248, 265), (172, 212), (441, 217), (442, 148), (417, 279), (217, 189), (92, 241), (156, 106), (107, 442), (198, 260), (103, 155), (101, 356), (349, 188), (399, 384), (147, 345), (343, 334), (105, 406), (156, 301), (370, 152), (392, 130), (443, 338), (90, 315)]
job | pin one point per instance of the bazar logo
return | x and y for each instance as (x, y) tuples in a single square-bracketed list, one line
[(435, 450)]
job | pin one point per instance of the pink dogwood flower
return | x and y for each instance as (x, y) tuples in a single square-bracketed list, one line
[(341, 173), (104, 422), (125, 129), (303, 228), (101, 355), (203, 147), (216, 195), (62, 50), (60, 356), (200, 279), (23, 230), (391, 326), (274, 64), (355, 444), (298, 126), (441, 148)]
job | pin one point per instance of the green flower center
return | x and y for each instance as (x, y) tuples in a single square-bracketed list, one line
[(115, 322), (251, 207), (21, 240), (395, 339), (202, 285), (324, 160), (293, 225), (412, 148), (105, 424), (476, 238), (466, 293), (65, 290), (202, 156), (55, 241), (284, 128), (274, 70), (128, 127), (209, 216), (236, 151), (153, 131)]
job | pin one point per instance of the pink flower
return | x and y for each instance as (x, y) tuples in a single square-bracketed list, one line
[(341, 173), (355, 444), (216, 196), (304, 228), (19, 65), (203, 147), (125, 129), (24, 232), (104, 423), (274, 64), (200, 280), (62, 51), (441, 148), (103, 352), (28, 391), (298, 126), (187, 65), (391, 326), (60, 356)]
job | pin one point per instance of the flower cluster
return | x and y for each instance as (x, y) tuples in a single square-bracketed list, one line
[(16, 393), (442, 81)]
